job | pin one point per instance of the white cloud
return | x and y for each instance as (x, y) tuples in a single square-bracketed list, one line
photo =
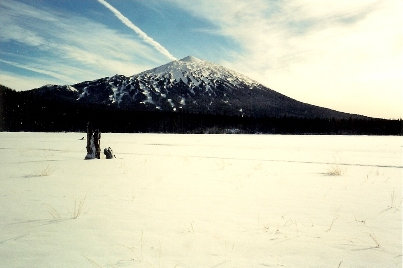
[(15, 32), (56, 75), (138, 31), (23, 82), (108, 64), (346, 55), (72, 49)]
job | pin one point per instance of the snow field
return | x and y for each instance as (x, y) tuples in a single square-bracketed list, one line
[(201, 201)]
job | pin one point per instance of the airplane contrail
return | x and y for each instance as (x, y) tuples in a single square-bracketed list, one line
[(138, 31)]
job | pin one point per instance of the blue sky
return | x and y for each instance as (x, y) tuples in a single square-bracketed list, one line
[(346, 55)]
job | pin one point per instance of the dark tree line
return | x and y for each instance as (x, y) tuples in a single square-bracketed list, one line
[(24, 111)]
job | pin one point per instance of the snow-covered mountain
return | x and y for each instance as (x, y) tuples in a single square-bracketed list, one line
[(191, 85)]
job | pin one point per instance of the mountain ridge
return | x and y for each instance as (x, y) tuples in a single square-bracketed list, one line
[(191, 85)]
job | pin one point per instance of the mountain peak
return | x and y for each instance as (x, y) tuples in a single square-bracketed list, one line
[(190, 59), (193, 85)]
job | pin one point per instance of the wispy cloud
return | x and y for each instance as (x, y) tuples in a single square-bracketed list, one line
[(138, 31), (346, 55), (73, 49), (23, 82), (329, 53), (56, 75)]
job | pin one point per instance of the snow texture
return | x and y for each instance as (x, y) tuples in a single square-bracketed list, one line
[(195, 71), (201, 201)]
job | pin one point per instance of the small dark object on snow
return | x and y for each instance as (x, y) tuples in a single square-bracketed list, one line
[(97, 141), (93, 143), (82, 139), (109, 153)]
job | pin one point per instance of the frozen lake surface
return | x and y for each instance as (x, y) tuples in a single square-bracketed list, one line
[(201, 201)]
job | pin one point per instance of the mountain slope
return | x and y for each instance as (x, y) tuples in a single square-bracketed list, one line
[(190, 85)]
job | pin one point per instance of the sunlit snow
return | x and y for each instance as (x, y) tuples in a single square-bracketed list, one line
[(201, 201)]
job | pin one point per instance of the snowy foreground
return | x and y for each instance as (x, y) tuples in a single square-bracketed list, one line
[(201, 201)]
